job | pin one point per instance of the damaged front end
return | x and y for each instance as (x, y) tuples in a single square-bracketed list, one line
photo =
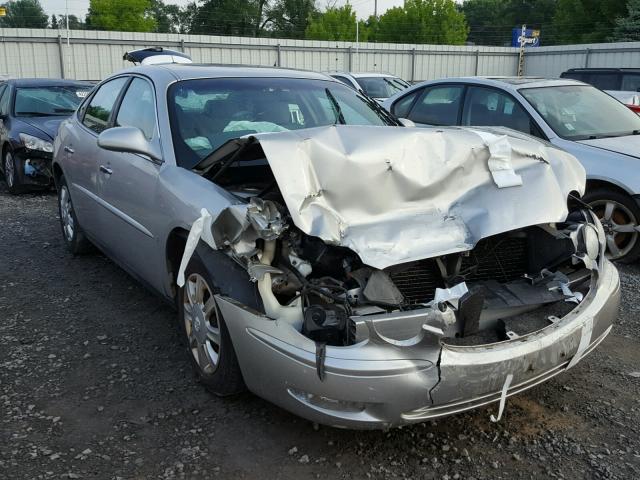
[(406, 275)]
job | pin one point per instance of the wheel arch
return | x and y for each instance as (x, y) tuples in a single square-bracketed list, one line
[(174, 249), (593, 184)]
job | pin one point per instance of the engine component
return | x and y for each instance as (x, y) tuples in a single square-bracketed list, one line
[(325, 324)]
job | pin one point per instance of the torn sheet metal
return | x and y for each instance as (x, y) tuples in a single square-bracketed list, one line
[(439, 197)]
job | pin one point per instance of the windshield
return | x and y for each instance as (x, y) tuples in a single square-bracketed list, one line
[(49, 101), (381, 87), (206, 113), (580, 112)]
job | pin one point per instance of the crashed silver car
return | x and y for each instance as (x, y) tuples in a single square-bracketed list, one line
[(355, 272)]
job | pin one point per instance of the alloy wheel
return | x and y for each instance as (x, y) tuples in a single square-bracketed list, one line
[(620, 227), (66, 214), (201, 323)]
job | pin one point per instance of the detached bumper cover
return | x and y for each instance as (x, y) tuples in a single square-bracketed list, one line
[(377, 384)]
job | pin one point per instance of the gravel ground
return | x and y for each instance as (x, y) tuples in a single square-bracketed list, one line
[(93, 384)]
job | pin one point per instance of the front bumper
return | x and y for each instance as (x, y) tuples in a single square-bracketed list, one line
[(380, 382), (34, 167)]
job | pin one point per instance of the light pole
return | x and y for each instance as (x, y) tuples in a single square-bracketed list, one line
[(66, 8)]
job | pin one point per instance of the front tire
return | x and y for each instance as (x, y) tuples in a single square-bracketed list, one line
[(620, 216), (206, 336), (72, 234), (11, 175)]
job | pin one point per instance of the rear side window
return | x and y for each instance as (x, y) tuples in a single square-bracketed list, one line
[(138, 108), (401, 108), (604, 81), (490, 107), (99, 110), (438, 105)]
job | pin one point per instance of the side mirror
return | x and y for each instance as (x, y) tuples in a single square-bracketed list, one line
[(128, 139), (406, 122)]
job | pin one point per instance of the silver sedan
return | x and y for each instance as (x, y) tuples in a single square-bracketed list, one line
[(600, 131), (352, 271)]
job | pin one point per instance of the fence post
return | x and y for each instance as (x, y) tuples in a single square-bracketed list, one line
[(182, 45), (586, 57), (349, 53), (61, 55), (477, 61), (278, 60), (413, 65)]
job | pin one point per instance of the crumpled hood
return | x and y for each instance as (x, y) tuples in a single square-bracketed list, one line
[(47, 125), (627, 145), (395, 195)]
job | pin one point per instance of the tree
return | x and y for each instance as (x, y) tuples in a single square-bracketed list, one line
[(628, 28), (24, 14), (586, 21), (289, 18), (335, 23), (423, 21), (170, 18), (54, 22), (123, 15), (225, 17)]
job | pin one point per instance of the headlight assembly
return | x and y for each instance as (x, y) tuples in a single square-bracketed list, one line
[(35, 143)]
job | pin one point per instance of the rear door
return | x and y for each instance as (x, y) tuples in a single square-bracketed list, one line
[(81, 154), (129, 183)]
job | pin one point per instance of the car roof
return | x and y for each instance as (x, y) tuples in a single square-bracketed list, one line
[(511, 83), (603, 69), (47, 82), (187, 71)]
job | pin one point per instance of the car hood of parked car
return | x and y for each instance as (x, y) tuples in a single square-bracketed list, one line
[(396, 195), (627, 145), (47, 125)]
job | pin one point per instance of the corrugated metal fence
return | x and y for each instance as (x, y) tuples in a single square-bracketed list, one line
[(92, 55)]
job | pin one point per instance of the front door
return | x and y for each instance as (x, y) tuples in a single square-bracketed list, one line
[(129, 183)]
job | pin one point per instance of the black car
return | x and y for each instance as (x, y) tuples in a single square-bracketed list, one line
[(30, 112)]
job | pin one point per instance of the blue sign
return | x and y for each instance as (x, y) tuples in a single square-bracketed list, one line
[(531, 37)]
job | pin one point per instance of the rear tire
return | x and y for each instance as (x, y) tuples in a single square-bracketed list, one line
[(11, 175), (619, 214), (205, 333), (72, 234)]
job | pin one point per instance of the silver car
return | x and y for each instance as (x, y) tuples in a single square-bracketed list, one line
[(357, 273), (376, 85), (601, 132)]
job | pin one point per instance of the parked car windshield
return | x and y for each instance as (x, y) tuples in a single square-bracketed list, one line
[(381, 87), (580, 112), (206, 113), (49, 101)]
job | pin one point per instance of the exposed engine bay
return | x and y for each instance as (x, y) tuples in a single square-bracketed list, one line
[(477, 293)]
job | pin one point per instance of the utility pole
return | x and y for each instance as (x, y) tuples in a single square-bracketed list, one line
[(523, 35), (66, 8), (375, 8)]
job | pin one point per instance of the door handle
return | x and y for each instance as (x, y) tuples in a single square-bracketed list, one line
[(68, 149), (106, 170)]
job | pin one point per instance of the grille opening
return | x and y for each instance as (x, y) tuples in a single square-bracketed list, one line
[(501, 257)]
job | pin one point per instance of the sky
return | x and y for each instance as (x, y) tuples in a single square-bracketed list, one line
[(79, 8)]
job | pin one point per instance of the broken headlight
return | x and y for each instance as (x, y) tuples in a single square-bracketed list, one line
[(34, 143)]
